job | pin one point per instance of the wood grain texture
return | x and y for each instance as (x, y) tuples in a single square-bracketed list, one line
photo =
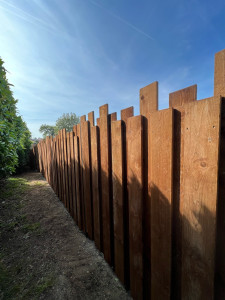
[(135, 198), (126, 113), (219, 74), (78, 183), (118, 199), (66, 170), (113, 117), (91, 118), (73, 177), (183, 96), (220, 245), (95, 160), (106, 185), (69, 170), (82, 119), (161, 188), (199, 179), (86, 176), (149, 99), (81, 181), (75, 129), (98, 122)]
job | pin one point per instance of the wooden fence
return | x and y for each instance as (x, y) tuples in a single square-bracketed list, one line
[(150, 190)]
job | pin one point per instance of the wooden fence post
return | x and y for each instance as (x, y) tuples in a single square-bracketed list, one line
[(135, 162), (161, 188), (107, 231)]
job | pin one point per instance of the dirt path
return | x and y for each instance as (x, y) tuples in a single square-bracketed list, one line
[(43, 255)]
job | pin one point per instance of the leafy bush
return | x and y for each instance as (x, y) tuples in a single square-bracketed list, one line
[(14, 134)]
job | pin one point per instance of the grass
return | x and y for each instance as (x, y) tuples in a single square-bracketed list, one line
[(13, 187), (17, 281)]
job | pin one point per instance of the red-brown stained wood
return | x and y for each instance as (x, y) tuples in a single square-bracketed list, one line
[(91, 118), (161, 191), (81, 181), (58, 166), (118, 199), (73, 178), (86, 167), (220, 245), (181, 97), (126, 113), (135, 197), (149, 99), (95, 163), (63, 169), (78, 185), (70, 193), (219, 74), (113, 117), (75, 129), (66, 169), (82, 119), (199, 180), (107, 234)]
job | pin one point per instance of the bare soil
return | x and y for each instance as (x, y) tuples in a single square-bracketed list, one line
[(43, 254)]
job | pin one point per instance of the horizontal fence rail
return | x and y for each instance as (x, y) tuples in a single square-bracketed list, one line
[(149, 190)]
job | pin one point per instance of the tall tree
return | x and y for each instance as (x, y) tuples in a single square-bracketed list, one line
[(47, 130), (67, 121)]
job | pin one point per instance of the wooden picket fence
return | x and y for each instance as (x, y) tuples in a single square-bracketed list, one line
[(150, 190)]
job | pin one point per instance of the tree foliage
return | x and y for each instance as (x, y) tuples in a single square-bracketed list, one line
[(66, 121), (14, 134), (47, 130)]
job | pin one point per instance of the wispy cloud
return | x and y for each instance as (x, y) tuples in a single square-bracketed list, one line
[(122, 20)]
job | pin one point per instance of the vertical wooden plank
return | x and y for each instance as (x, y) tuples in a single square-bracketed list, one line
[(181, 97), (135, 197), (149, 99), (126, 113), (118, 199), (219, 74), (86, 167), (199, 180), (91, 118), (113, 117), (161, 191), (98, 122), (63, 169), (220, 240), (58, 166), (66, 170), (75, 129), (107, 233), (78, 185), (70, 195), (82, 119), (81, 176), (95, 161), (148, 104), (73, 177)]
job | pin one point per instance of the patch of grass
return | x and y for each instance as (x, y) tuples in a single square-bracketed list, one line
[(31, 227), (13, 187), (9, 290), (12, 288)]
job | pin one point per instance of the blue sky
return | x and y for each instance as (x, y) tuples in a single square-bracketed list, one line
[(75, 55)]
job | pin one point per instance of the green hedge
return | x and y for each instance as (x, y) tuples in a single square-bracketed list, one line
[(14, 134)]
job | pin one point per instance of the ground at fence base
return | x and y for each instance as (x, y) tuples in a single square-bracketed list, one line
[(43, 253)]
